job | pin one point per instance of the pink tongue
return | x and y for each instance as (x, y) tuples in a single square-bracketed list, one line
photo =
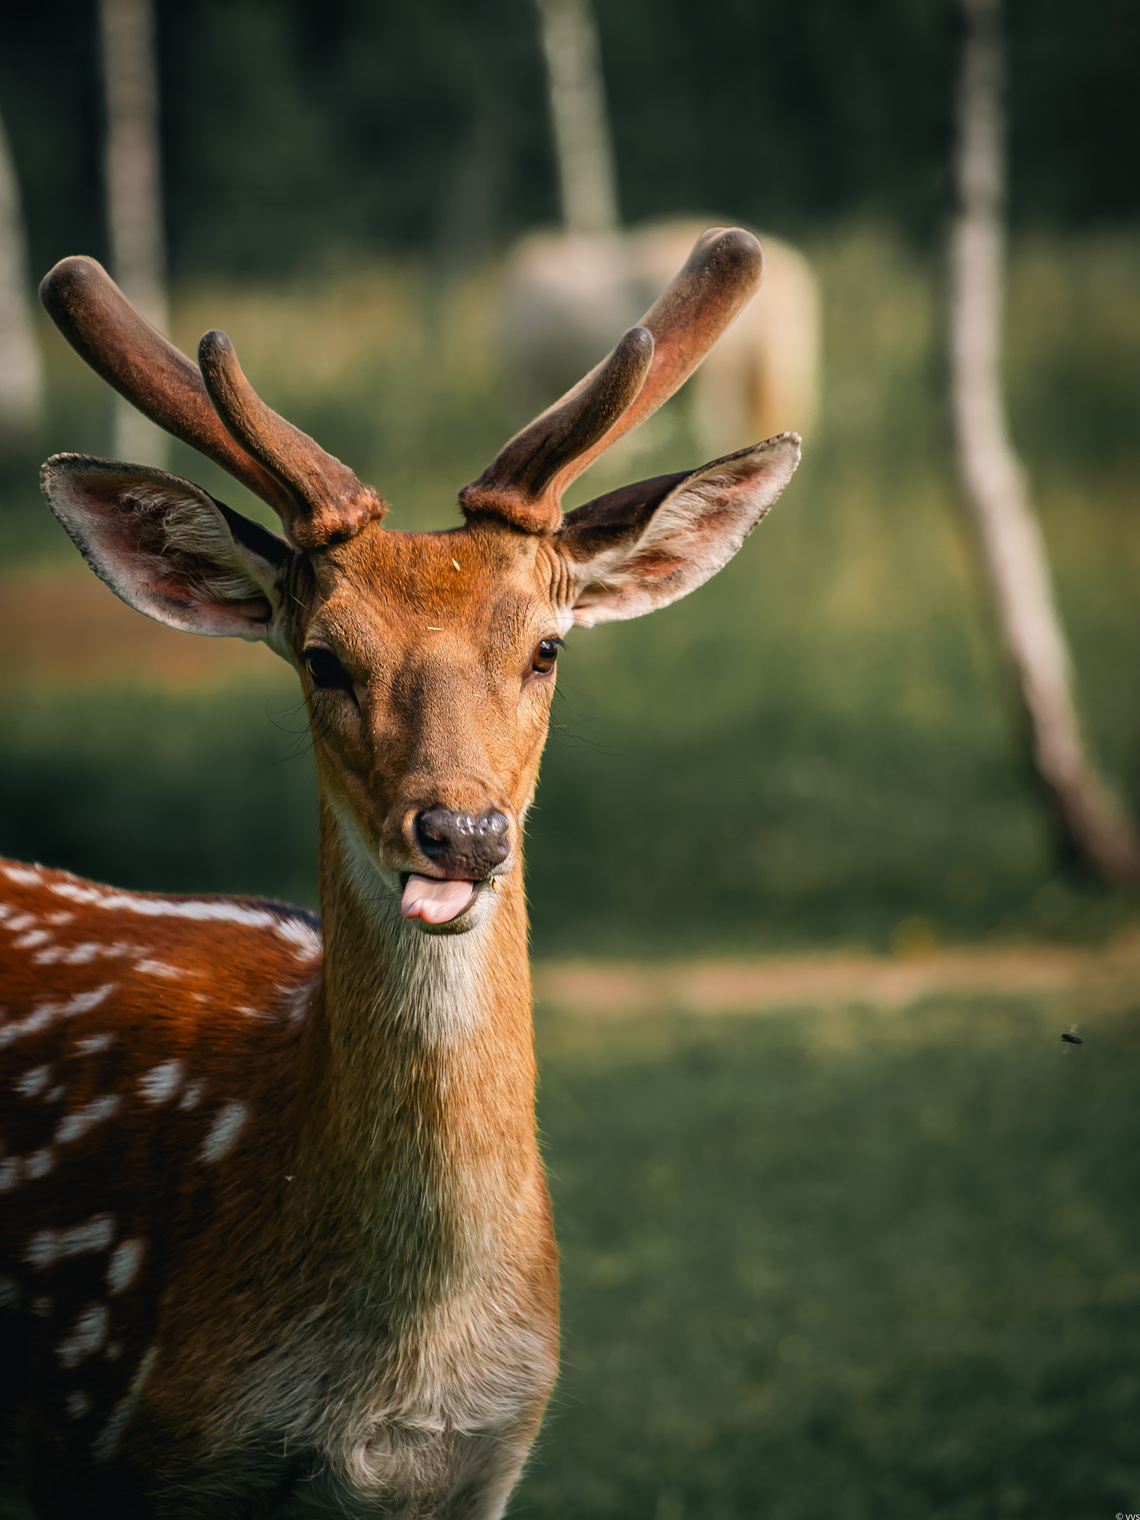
[(436, 902)]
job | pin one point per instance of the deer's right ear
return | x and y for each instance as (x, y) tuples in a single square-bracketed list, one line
[(167, 548)]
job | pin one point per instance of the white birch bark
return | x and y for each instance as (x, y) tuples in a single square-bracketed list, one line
[(1011, 539), (578, 106), (21, 365), (134, 191)]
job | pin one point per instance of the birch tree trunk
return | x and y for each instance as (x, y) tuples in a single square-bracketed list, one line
[(578, 105), (21, 367), (134, 191), (1011, 539)]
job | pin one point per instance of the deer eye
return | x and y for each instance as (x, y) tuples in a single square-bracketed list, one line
[(325, 670), (545, 656)]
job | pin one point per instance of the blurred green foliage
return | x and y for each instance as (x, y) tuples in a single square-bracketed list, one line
[(878, 1266), (299, 135), (818, 747), (194, 794)]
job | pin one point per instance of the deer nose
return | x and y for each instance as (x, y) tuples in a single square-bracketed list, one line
[(464, 845)]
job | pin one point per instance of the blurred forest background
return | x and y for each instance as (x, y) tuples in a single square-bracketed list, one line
[(299, 136), (877, 1259)]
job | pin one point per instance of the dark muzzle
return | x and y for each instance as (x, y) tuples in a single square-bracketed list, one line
[(464, 845)]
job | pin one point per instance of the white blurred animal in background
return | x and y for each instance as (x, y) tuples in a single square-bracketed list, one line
[(567, 294)]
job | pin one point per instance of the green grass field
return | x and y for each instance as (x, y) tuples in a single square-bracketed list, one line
[(882, 1266)]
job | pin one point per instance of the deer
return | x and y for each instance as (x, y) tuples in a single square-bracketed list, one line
[(275, 1235)]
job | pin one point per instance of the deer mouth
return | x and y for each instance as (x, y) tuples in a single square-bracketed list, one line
[(435, 900)]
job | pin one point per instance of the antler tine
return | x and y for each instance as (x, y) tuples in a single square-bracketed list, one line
[(525, 482), (336, 504), (318, 499), (135, 359), (518, 484)]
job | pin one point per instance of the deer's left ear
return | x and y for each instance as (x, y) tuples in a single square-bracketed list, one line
[(168, 548), (646, 545)]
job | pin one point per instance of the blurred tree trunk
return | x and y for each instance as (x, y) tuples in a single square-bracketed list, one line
[(21, 367), (578, 105), (1011, 538), (134, 190)]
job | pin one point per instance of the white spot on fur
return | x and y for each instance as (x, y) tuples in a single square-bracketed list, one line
[(87, 1337), (10, 1295), (94, 1043), (45, 1015), (162, 1082), (77, 1405), (123, 1268), (301, 933), (113, 1352), (15, 1170), (30, 941), (39, 1019), (63, 955), (159, 968), (56, 919), (83, 954), (75, 1126), (296, 930), (24, 876), (224, 1131), (34, 1081), (42, 1306), (56, 1094), (299, 1000), (107, 1442), (192, 1096), (22, 921), (39, 1163), (47, 1247)]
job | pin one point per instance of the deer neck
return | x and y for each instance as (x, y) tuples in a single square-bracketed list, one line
[(421, 1118)]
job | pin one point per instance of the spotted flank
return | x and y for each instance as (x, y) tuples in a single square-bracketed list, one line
[(140, 1038)]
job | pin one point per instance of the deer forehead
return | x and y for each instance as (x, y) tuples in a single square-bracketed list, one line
[(487, 588)]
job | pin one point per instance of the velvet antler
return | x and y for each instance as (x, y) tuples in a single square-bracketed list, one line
[(318, 499), (524, 484)]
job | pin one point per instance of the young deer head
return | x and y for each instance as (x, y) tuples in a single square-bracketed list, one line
[(427, 658)]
